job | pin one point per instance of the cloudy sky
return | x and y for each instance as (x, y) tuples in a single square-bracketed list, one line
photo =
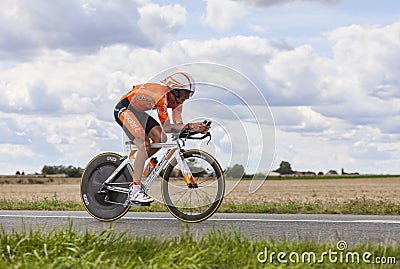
[(329, 70)]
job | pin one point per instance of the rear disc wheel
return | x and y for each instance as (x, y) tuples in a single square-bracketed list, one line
[(104, 205)]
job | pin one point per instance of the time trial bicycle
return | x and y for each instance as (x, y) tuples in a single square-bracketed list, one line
[(192, 181)]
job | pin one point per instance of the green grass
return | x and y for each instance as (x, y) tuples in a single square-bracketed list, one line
[(358, 206), (69, 248), (39, 204)]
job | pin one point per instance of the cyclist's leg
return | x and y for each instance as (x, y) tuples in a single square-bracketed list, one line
[(133, 128), (156, 134), (132, 125), (143, 144), (152, 128)]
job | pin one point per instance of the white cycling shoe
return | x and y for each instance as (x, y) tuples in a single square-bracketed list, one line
[(140, 197)]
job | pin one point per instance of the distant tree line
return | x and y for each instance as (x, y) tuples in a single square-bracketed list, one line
[(284, 168), (70, 170), (238, 171)]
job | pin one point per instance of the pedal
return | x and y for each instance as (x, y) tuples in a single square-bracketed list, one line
[(140, 204)]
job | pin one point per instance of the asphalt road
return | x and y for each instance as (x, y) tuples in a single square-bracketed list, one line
[(323, 228)]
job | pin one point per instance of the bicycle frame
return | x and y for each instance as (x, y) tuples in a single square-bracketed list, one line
[(173, 150)]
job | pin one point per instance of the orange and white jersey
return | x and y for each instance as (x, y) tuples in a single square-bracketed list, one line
[(150, 96)]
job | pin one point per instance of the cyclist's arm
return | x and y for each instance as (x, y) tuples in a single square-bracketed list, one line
[(178, 124), (173, 127), (177, 121)]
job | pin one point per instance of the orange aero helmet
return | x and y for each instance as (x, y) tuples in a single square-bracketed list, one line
[(180, 81)]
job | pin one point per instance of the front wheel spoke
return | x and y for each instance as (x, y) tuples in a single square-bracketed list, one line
[(181, 195), (202, 197), (186, 201), (200, 193), (198, 199), (200, 182), (183, 191)]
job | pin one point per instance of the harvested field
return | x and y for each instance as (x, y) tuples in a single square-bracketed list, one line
[(320, 190), (298, 190)]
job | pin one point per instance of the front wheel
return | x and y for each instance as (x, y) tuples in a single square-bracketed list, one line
[(194, 204)]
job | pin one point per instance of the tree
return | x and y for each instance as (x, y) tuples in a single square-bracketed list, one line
[(284, 168), (237, 171), (49, 170), (70, 171), (73, 171)]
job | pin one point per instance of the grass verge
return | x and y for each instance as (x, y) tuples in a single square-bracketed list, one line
[(357, 206), (39, 204), (69, 248)]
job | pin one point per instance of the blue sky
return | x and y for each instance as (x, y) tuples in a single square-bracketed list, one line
[(328, 69)]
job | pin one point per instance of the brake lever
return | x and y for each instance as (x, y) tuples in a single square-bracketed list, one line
[(208, 123), (187, 134), (208, 135)]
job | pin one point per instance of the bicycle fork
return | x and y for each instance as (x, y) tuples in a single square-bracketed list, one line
[(187, 174)]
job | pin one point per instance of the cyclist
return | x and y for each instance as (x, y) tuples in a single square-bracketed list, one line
[(142, 129)]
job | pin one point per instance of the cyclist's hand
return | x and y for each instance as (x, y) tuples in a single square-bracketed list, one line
[(199, 127)]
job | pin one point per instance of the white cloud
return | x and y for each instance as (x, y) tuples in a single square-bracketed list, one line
[(79, 26), (297, 77), (63, 83), (358, 85), (158, 22), (302, 119), (57, 140), (369, 56), (221, 14), (367, 72), (311, 154), (13, 150), (270, 3)]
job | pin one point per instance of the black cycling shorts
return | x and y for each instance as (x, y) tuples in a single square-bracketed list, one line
[(146, 121)]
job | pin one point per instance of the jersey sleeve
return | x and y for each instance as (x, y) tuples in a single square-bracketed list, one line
[(162, 106)]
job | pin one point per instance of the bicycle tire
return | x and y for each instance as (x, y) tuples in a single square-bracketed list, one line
[(204, 200), (103, 206)]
